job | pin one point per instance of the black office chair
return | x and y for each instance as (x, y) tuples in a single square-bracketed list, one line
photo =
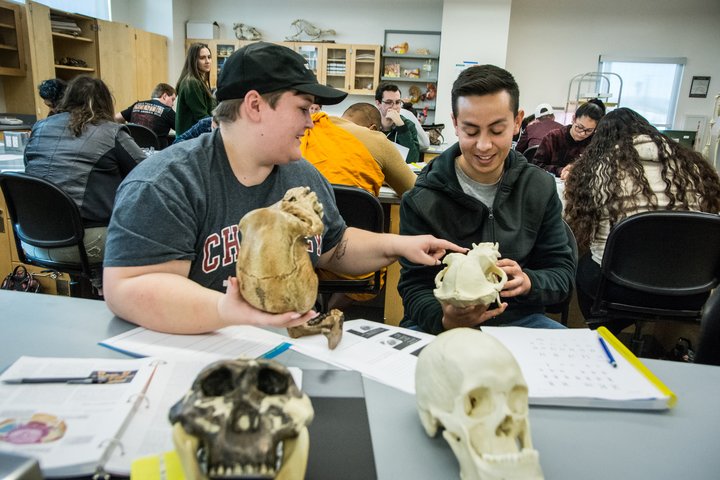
[(529, 153), (360, 209), (708, 351), (658, 266), (44, 216), (143, 136), (563, 308)]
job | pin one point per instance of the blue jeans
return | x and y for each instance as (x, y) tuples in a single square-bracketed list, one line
[(536, 320)]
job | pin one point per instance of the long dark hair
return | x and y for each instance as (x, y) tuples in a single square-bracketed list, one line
[(87, 100), (190, 68), (596, 180)]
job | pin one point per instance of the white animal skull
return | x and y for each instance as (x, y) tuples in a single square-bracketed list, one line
[(468, 383), (243, 419), (471, 279)]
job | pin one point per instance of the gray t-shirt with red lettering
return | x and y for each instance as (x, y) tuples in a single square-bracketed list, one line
[(184, 203)]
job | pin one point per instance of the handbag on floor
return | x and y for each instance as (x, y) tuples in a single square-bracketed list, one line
[(21, 280)]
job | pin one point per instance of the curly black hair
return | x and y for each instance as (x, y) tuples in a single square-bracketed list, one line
[(52, 90), (595, 184)]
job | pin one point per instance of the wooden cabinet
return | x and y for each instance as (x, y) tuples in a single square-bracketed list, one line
[(352, 68), (64, 45), (12, 54)]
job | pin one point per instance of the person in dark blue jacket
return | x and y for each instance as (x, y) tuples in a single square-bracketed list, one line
[(480, 190)]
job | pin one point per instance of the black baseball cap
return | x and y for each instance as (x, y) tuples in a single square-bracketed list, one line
[(267, 67)]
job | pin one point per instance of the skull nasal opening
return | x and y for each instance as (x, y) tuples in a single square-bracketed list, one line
[(272, 382)]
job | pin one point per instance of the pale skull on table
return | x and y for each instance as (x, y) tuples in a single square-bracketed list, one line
[(470, 386), (471, 279)]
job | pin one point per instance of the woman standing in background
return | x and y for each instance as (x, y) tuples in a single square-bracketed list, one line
[(194, 98)]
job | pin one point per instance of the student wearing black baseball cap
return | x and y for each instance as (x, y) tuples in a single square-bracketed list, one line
[(173, 238)]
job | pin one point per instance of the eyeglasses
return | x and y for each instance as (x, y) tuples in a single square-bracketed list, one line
[(390, 103), (580, 129)]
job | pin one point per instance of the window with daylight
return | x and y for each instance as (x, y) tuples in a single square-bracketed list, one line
[(650, 86)]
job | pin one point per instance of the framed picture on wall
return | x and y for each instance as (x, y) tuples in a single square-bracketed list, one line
[(699, 87)]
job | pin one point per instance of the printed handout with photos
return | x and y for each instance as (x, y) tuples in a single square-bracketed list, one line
[(382, 352), (69, 412)]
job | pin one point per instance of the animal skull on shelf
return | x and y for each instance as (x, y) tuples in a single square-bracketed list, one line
[(471, 279), (470, 385), (273, 267), (243, 419), (329, 324)]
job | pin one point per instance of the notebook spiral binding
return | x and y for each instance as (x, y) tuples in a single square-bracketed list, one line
[(109, 444)]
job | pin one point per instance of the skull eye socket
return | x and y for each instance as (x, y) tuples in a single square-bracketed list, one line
[(518, 399), (272, 382), (217, 383), (478, 402)]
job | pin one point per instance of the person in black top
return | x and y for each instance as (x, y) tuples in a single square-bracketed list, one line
[(156, 114)]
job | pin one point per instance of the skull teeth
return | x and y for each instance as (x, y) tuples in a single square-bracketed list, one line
[(510, 458), (223, 471)]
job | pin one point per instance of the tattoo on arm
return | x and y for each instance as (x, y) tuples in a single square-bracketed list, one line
[(341, 249)]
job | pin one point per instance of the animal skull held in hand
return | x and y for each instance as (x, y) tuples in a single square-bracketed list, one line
[(273, 266), (472, 279), (470, 386), (243, 419)]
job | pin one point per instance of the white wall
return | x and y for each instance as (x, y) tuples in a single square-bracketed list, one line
[(553, 40)]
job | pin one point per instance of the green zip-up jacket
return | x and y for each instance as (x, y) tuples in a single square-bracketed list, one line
[(406, 135), (525, 220)]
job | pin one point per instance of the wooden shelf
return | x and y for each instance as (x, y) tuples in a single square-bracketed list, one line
[(413, 56), (77, 69), (409, 79), (8, 47), (72, 37), (7, 25)]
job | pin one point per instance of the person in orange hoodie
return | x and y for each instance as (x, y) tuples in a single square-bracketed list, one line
[(350, 151)]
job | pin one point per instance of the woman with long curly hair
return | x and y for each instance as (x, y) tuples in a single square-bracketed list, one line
[(84, 152), (630, 167), (194, 98)]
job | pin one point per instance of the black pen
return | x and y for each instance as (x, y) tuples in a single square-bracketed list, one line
[(71, 380)]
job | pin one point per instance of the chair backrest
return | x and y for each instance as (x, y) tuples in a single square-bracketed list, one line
[(708, 351), (43, 216), (143, 136), (359, 209), (659, 265), (529, 153), (665, 253), (563, 308)]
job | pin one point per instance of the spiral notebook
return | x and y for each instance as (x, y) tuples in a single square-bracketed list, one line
[(70, 413)]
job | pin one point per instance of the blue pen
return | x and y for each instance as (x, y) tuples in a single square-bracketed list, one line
[(605, 348)]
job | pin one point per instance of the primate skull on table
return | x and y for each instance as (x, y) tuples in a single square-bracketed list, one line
[(243, 419), (273, 266), (471, 279), (468, 384)]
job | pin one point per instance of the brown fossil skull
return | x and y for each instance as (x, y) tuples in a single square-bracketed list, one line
[(329, 324), (242, 419), (273, 267)]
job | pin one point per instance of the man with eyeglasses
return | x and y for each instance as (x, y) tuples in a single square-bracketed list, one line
[(560, 148), (395, 127)]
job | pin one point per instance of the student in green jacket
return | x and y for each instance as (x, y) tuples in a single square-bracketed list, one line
[(480, 190), (194, 98), (396, 128)]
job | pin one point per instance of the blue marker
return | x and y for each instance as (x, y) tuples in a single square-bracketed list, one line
[(605, 348)]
